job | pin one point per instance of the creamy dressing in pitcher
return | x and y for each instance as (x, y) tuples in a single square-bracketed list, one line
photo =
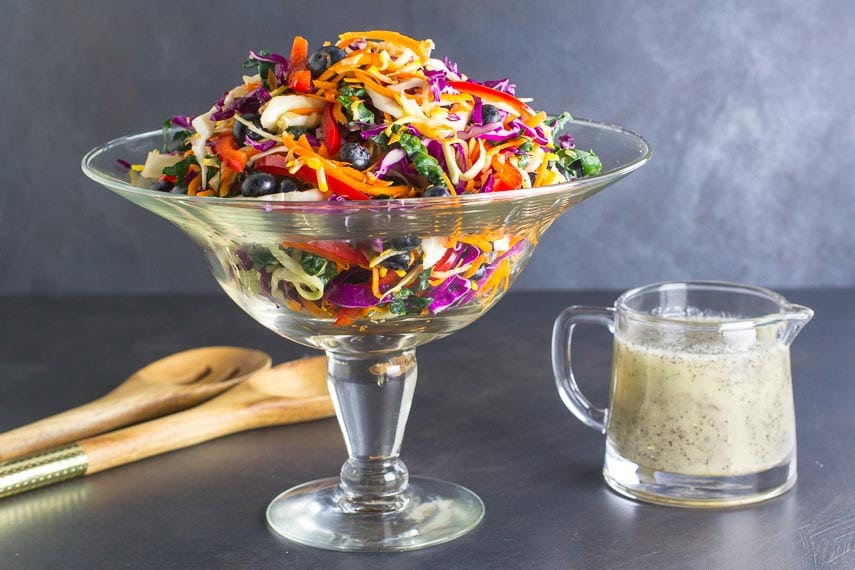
[(704, 409)]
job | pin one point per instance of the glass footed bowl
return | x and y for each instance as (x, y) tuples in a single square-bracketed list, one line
[(369, 321)]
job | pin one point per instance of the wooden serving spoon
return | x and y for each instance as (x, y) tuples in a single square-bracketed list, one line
[(292, 392), (173, 383)]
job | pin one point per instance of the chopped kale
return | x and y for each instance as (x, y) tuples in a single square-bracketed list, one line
[(179, 169), (318, 267), (177, 141), (261, 256), (404, 302)]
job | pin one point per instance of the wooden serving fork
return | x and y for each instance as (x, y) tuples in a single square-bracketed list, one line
[(165, 386), (295, 391)]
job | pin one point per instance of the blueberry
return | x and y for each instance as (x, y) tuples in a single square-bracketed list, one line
[(490, 114), (258, 184), (240, 131), (356, 154), (163, 186), (405, 243), (324, 57), (398, 261), (479, 273), (436, 191), (288, 185)]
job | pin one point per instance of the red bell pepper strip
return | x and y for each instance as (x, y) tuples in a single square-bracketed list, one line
[(332, 138), (507, 177), (347, 316), (495, 95), (301, 81), (388, 281), (228, 151), (336, 251), (276, 164), (444, 264), (299, 77)]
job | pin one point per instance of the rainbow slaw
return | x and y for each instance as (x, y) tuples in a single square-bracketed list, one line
[(370, 117)]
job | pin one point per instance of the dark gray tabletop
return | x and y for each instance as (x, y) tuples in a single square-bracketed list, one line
[(486, 415)]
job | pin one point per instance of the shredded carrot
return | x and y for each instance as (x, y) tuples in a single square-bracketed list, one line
[(536, 120), (478, 242), (541, 171), (338, 115), (420, 48), (369, 83), (313, 309), (375, 282), (194, 185)]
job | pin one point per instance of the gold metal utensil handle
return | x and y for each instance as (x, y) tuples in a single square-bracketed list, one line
[(54, 466)]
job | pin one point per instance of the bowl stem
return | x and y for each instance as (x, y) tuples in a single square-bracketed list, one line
[(372, 397)]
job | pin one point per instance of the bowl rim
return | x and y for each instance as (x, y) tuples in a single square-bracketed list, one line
[(574, 187)]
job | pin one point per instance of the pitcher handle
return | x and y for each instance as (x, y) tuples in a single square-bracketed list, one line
[(562, 367)]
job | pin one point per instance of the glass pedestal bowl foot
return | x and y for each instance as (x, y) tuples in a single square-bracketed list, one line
[(431, 512), (464, 253)]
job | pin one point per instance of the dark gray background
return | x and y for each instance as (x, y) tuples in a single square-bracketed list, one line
[(749, 107)]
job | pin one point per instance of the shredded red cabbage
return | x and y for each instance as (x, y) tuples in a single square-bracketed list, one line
[(503, 85), (448, 293), (566, 141), (434, 148), (450, 66), (124, 163), (518, 247), (270, 57), (188, 178), (246, 105), (368, 130), (182, 121), (466, 253), (477, 117), (262, 146), (313, 140), (280, 67), (392, 158), (488, 184), (536, 135), (438, 82), (461, 152), (244, 259), (478, 130), (353, 296)]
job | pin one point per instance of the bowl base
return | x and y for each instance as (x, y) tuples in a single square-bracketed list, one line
[(435, 512)]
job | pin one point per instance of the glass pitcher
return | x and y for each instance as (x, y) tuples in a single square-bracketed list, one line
[(701, 405)]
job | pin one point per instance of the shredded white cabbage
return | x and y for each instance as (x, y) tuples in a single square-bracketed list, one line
[(451, 162), (156, 162), (277, 112), (433, 249), (478, 166), (204, 128), (308, 286), (385, 104)]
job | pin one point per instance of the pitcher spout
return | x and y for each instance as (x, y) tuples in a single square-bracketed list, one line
[(795, 317)]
